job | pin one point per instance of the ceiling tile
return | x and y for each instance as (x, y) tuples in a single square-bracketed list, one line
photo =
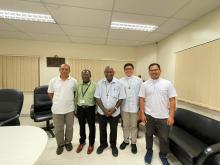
[(36, 27), (24, 6), (46, 37), (122, 42), (172, 25), (7, 27), (197, 8), (14, 35), (88, 40), (155, 37), (84, 31), (79, 16), (95, 4), (164, 8), (135, 18), (127, 34)]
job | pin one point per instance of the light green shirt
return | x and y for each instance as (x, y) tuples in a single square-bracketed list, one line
[(85, 94)]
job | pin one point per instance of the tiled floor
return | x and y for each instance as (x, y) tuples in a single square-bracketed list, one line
[(49, 156)]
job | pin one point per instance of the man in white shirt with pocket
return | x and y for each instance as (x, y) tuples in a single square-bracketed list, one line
[(157, 108), (61, 90), (130, 107), (109, 95)]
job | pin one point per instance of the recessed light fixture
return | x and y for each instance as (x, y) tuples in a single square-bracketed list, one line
[(17, 15), (132, 26)]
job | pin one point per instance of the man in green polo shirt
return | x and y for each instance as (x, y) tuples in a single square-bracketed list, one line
[(86, 110)]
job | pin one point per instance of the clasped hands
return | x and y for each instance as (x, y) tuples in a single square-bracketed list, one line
[(109, 112)]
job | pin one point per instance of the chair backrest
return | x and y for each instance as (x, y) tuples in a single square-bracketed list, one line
[(41, 100), (11, 102), (202, 127)]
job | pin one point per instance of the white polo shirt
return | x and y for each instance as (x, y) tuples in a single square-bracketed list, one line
[(157, 94), (109, 93), (63, 98), (132, 87)]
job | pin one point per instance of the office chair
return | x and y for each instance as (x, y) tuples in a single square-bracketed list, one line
[(41, 109), (11, 102)]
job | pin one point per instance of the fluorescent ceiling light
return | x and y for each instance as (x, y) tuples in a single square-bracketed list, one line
[(6, 14), (132, 26)]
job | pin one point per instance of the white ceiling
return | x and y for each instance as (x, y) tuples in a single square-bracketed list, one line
[(88, 21)]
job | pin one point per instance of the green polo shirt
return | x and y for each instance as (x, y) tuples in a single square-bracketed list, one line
[(85, 94)]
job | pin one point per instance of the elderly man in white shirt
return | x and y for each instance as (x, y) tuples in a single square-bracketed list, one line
[(130, 107), (61, 91), (109, 95), (156, 95)]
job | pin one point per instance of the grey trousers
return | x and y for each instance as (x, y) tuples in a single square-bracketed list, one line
[(129, 126), (160, 127), (60, 121)]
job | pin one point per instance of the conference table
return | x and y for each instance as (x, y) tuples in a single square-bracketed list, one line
[(21, 145)]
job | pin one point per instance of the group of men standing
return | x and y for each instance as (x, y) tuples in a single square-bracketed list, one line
[(152, 102)]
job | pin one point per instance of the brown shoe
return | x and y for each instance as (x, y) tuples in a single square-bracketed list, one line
[(90, 149), (80, 147)]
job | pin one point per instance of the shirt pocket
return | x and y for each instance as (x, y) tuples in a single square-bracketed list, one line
[(163, 91), (115, 92)]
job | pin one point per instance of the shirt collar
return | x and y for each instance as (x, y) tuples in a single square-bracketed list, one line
[(61, 79), (106, 81)]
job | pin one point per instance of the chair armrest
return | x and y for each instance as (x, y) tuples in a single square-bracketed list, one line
[(9, 120), (32, 111), (208, 152)]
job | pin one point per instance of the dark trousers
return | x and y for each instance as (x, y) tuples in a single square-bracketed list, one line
[(113, 121), (86, 114), (160, 127)]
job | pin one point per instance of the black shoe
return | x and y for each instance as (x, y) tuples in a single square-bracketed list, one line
[(148, 157), (163, 159), (114, 151), (100, 149), (123, 145), (69, 146), (59, 150), (133, 148)]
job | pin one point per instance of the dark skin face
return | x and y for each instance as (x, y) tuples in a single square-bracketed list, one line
[(109, 73), (154, 72), (86, 76)]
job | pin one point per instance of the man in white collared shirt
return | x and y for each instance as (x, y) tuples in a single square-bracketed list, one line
[(109, 95), (130, 107), (61, 91), (157, 108)]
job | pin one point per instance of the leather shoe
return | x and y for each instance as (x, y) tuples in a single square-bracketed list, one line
[(80, 147), (90, 149), (59, 150)]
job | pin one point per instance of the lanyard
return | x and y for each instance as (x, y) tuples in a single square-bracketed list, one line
[(83, 93)]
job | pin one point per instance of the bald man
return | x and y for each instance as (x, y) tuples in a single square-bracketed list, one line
[(109, 95), (61, 91)]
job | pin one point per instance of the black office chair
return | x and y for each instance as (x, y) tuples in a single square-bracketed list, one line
[(11, 102), (41, 109)]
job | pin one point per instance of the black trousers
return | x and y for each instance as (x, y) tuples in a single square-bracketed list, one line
[(113, 121), (160, 127), (86, 114)]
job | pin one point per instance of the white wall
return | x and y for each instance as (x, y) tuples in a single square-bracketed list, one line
[(206, 29), (145, 56)]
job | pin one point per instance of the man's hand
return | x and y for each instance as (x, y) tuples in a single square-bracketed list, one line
[(106, 113), (111, 111), (170, 121), (143, 118)]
